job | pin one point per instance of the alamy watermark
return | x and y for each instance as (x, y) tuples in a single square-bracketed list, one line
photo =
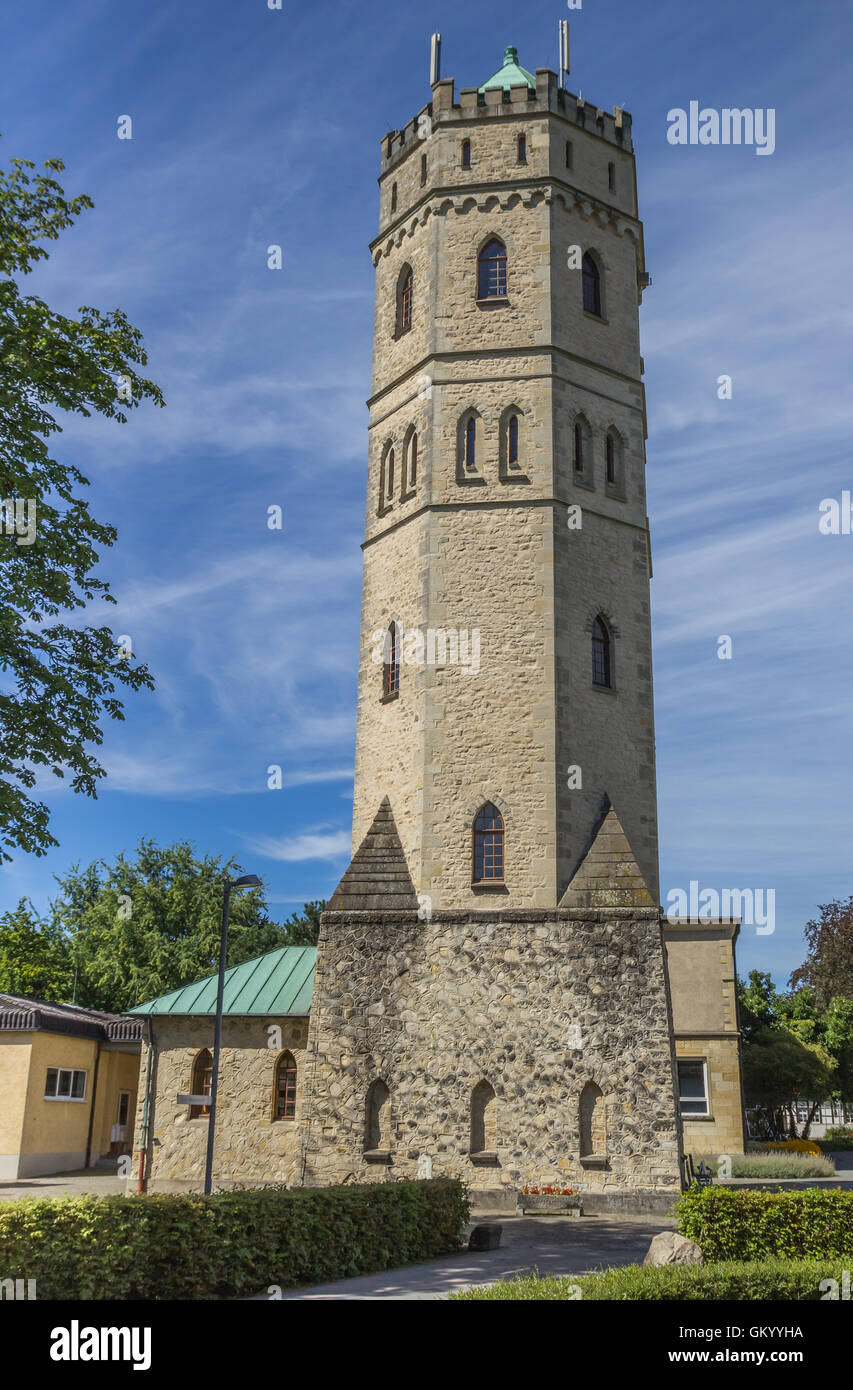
[(436, 646), (756, 907), (729, 126), (15, 522)]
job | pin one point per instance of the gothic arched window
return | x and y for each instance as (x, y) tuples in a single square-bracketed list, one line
[(284, 1098), (522, 149), (592, 1122), (582, 448), (410, 478), (386, 493), (391, 666), (484, 1119), (471, 443), (512, 442), (202, 1081), (488, 845), (377, 1118), (394, 197), (591, 285), (601, 654), (491, 270), (405, 299), (466, 154)]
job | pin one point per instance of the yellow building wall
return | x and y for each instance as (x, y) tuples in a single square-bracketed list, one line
[(701, 968), (118, 1071), (15, 1051), (55, 1131)]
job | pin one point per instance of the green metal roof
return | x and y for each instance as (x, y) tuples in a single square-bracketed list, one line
[(510, 75), (277, 983)]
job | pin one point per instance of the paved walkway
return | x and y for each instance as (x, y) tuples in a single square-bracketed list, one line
[(550, 1244), (101, 1181)]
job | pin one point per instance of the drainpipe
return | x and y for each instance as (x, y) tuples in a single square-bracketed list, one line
[(143, 1138), (92, 1107)]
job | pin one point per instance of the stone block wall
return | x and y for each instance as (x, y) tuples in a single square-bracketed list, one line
[(536, 1004), (251, 1147)]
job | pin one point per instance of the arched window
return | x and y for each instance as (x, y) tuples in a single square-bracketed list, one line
[(410, 479), (582, 448), (377, 1118), (484, 1120), (491, 270), (423, 170), (284, 1100), (202, 1082), (512, 441), (611, 177), (488, 845), (591, 286), (613, 471), (405, 299), (601, 654), (466, 154), (394, 197), (386, 478), (522, 149), (568, 154), (471, 443), (592, 1122), (391, 667)]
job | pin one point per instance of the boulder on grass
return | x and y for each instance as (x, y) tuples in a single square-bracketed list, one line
[(669, 1248)]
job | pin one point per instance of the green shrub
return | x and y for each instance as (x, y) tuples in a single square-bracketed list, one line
[(838, 1139), (231, 1244), (781, 1165), (742, 1224), (766, 1280)]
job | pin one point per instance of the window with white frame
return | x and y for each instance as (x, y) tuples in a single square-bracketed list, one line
[(65, 1084), (693, 1087)]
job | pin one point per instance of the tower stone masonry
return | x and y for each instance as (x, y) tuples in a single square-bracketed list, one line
[(494, 548), (509, 1026), (494, 995)]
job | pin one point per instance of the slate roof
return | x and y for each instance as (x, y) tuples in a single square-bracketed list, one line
[(378, 877), (19, 1014), (278, 983), (608, 875)]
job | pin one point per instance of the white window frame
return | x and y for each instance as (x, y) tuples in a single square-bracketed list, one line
[(67, 1071), (694, 1114)]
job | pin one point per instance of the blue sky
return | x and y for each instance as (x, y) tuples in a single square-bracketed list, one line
[(253, 127)]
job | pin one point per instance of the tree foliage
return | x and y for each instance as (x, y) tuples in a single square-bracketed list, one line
[(793, 1050), (59, 679), (828, 968), (138, 928)]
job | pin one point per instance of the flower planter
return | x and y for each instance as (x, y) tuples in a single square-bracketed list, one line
[(552, 1202)]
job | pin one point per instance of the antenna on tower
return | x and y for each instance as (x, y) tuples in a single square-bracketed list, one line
[(563, 62), (435, 59)]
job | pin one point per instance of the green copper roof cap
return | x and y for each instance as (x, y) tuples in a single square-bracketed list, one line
[(510, 75), (279, 982)]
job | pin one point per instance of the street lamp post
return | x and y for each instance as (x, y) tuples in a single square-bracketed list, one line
[(247, 881)]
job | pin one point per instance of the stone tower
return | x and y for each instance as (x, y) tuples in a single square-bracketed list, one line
[(496, 548), (514, 1025)]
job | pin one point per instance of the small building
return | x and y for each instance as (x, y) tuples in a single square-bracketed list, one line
[(68, 1079), (261, 1069)]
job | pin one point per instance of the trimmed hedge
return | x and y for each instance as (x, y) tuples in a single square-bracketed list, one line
[(227, 1245), (766, 1280), (737, 1224)]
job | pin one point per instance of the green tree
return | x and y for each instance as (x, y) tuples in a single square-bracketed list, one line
[(151, 922), (828, 968), (303, 929), (35, 956), (60, 678)]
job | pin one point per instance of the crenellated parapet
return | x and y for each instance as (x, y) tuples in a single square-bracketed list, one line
[(548, 97)]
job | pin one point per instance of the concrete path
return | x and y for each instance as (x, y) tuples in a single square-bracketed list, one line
[(101, 1181), (550, 1244)]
